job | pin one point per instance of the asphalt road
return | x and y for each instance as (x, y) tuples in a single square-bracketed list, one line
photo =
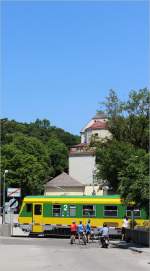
[(35, 254)]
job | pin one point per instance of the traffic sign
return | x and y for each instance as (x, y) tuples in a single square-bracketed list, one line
[(13, 192), (13, 203)]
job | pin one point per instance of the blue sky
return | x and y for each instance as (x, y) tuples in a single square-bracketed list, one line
[(60, 59)]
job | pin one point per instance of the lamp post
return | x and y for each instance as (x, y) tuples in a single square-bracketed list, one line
[(5, 172)]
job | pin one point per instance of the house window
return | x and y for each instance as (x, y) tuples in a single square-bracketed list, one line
[(38, 209), (89, 210), (110, 211), (72, 210), (56, 210), (136, 212)]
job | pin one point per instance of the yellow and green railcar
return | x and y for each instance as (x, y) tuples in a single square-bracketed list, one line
[(54, 214)]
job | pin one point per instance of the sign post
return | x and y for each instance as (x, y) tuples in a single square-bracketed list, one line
[(13, 193), (5, 172), (12, 204)]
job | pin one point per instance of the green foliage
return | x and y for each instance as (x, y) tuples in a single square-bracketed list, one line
[(33, 153), (58, 155), (134, 179), (111, 158), (123, 161), (27, 161), (129, 121), (40, 129)]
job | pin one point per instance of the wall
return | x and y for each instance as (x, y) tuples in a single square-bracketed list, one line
[(102, 134), (50, 191), (81, 167), (89, 190), (139, 236), (73, 191), (5, 230)]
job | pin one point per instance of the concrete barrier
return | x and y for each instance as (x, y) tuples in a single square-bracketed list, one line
[(139, 236), (5, 230)]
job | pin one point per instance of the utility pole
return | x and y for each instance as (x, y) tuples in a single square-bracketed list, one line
[(5, 172)]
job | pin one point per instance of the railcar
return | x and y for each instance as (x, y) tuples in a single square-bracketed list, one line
[(54, 214)]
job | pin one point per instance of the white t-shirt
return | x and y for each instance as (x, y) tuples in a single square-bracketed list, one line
[(125, 223)]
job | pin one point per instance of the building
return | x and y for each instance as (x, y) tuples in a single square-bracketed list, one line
[(64, 184), (82, 157), (82, 163), (95, 129)]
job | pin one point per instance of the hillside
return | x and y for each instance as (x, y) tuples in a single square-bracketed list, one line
[(33, 153)]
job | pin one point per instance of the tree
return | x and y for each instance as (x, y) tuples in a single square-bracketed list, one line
[(111, 157), (129, 121), (134, 179), (33, 152), (113, 105), (58, 155), (123, 161), (28, 164)]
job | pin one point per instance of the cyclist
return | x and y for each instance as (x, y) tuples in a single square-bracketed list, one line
[(88, 230), (73, 229)]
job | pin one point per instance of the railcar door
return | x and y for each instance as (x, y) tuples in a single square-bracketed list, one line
[(37, 218)]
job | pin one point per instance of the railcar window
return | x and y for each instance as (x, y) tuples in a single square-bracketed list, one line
[(38, 209), (89, 210), (72, 210), (110, 211), (29, 207), (136, 212), (56, 210)]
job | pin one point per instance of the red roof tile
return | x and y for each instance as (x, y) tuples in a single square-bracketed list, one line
[(98, 125)]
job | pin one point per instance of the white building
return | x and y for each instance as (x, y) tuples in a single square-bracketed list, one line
[(82, 159), (82, 163), (96, 128)]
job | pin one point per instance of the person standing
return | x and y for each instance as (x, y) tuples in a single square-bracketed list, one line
[(125, 225), (73, 229), (88, 230), (80, 231)]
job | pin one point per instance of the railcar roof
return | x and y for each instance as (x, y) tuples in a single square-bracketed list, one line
[(78, 197), (109, 199)]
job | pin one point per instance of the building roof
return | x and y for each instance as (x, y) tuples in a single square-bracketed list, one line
[(64, 180), (98, 125), (100, 115), (80, 145)]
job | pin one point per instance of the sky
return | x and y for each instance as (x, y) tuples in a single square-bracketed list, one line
[(60, 59)]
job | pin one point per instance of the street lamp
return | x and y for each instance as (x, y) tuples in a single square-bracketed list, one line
[(5, 172)]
